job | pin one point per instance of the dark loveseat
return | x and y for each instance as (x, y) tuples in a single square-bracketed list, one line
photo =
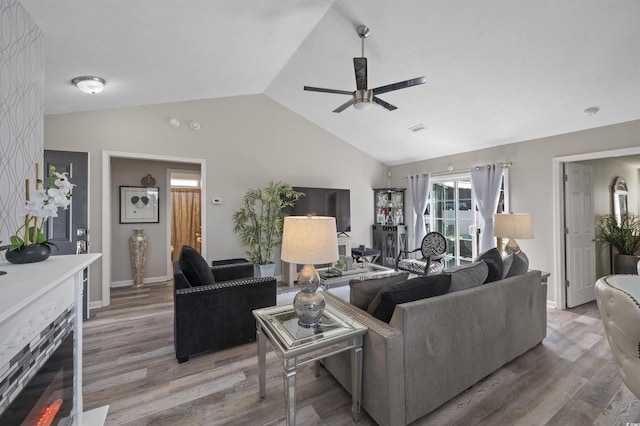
[(217, 315)]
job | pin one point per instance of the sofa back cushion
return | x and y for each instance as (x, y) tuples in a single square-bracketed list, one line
[(362, 291), (467, 276), (493, 259), (194, 267), (385, 302)]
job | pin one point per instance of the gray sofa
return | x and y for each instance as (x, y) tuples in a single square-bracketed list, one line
[(435, 348)]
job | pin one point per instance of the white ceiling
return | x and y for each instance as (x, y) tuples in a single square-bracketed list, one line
[(498, 71)]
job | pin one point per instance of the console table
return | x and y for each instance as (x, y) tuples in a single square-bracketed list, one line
[(365, 255), (297, 345)]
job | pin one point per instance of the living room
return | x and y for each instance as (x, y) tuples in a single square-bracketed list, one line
[(248, 138)]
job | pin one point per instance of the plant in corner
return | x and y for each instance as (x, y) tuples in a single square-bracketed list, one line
[(29, 243), (623, 235), (259, 221)]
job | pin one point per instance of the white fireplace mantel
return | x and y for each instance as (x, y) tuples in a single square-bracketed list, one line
[(34, 295)]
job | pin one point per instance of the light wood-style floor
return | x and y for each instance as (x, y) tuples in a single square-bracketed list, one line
[(129, 364)]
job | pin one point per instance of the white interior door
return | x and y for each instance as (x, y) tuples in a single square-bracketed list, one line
[(580, 234)]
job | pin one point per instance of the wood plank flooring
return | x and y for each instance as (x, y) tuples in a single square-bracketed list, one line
[(129, 364)]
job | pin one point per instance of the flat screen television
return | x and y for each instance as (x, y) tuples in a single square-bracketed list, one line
[(324, 202)]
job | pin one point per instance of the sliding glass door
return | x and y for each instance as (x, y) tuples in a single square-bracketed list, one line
[(451, 211)]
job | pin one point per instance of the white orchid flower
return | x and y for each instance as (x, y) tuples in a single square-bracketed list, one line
[(38, 209), (44, 203), (62, 182), (58, 196)]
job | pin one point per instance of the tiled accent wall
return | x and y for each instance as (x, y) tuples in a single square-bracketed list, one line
[(21, 109), (15, 375)]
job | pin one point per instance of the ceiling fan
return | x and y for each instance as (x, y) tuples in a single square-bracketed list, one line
[(363, 97)]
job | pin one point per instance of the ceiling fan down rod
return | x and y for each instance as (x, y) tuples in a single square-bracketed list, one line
[(363, 32)]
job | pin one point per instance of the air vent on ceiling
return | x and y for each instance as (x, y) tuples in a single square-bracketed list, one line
[(417, 127)]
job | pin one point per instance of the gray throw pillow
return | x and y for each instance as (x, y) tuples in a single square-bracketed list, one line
[(519, 266), (493, 259), (362, 291), (506, 265), (467, 276)]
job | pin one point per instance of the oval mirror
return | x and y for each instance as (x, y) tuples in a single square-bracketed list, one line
[(619, 197)]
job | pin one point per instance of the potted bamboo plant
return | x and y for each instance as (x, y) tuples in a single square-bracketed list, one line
[(623, 235), (259, 222)]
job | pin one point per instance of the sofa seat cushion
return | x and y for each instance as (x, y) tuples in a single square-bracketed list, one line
[(385, 302), (493, 259), (363, 290), (194, 267), (467, 276)]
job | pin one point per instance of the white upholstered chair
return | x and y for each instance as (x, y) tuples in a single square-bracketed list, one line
[(618, 299)]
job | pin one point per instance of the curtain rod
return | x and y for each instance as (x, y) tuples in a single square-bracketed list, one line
[(450, 171)]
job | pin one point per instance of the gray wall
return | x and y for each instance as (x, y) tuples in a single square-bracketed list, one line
[(21, 111), (246, 141), (531, 179)]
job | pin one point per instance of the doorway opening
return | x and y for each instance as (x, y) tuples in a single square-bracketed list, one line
[(559, 269), (110, 217), (185, 211)]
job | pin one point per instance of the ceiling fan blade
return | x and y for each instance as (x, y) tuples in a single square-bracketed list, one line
[(384, 104), (345, 105), (399, 85), (360, 67), (320, 89)]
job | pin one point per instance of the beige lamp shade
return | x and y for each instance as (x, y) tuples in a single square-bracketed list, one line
[(513, 226), (309, 240)]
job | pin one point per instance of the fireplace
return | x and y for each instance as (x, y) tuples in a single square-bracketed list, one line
[(41, 343), (39, 383)]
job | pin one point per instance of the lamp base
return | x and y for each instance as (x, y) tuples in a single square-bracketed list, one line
[(512, 247), (309, 308), (308, 304)]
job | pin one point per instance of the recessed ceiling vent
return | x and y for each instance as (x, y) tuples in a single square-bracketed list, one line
[(417, 128)]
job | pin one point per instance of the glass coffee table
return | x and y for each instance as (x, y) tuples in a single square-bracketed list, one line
[(296, 345), (359, 271)]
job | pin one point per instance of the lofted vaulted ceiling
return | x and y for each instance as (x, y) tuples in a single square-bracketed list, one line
[(498, 71)]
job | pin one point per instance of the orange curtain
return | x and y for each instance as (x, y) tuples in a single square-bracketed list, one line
[(185, 219)]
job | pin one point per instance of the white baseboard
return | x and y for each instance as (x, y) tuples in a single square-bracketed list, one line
[(95, 305), (147, 280)]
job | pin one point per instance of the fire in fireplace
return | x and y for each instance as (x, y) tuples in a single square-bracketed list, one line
[(48, 397)]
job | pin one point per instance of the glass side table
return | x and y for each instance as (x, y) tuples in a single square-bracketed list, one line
[(296, 345)]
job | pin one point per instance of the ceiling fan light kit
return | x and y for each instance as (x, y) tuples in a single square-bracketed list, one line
[(362, 98)]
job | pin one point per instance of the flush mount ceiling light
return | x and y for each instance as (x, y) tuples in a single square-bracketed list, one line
[(89, 84)]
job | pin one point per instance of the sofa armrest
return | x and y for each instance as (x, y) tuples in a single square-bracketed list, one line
[(382, 370), (231, 271)]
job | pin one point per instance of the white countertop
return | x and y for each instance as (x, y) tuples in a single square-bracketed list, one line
[(25, 283)]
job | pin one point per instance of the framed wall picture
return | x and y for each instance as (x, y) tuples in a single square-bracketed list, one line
[(138, 205)]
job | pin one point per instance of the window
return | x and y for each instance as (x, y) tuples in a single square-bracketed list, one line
[(451, 211)]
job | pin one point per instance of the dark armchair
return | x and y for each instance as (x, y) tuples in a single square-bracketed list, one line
[(212, 305)]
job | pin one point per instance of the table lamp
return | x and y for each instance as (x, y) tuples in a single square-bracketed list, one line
[(309, 240), (512, 226)]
